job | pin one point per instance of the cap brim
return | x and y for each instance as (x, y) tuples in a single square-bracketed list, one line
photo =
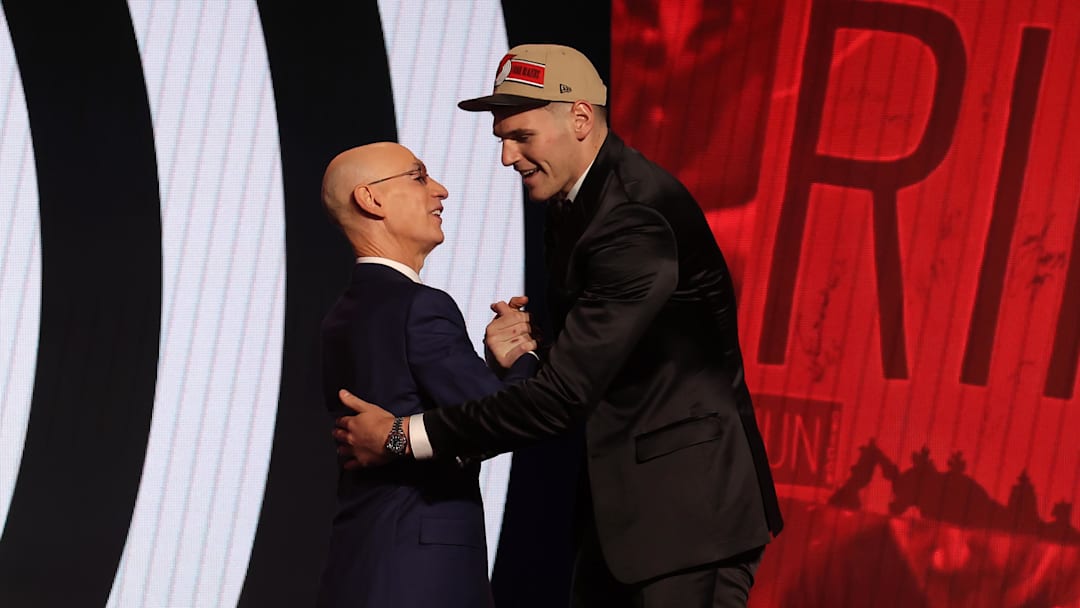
[(500, 101)]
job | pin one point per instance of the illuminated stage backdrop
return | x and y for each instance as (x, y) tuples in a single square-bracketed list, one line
[(896, 186)]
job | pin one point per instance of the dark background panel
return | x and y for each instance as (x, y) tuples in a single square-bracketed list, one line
[(332, 90), (534, 559), (101, 300)]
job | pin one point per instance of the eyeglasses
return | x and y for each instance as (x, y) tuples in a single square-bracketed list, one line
[(420, 173)]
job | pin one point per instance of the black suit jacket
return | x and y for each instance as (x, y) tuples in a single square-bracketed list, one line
[(411, 533), (647, 353)]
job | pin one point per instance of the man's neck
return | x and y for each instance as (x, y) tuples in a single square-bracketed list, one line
[(595, 145), (374, 250), (404, 269)]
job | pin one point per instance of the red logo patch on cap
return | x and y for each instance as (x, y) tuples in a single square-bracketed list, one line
[(525, 72)]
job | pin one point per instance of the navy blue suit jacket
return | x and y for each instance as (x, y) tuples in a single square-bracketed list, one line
[(411, 533)]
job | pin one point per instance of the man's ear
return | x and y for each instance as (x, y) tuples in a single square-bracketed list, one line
[(366, 202), (583, 117)]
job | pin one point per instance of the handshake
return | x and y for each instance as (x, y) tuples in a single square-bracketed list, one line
[(510, 334), (362, 437)]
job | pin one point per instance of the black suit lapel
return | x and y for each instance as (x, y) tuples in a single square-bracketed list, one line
[(557, 249), (567, 223)]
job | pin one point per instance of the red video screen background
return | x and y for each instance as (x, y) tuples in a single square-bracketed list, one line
[(895, 186)]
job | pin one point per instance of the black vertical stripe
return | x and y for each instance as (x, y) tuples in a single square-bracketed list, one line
[(332, 91), (101, 302), (533, 563), (1061, 373), (982, 330)]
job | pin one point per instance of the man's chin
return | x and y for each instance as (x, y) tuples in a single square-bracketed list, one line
[(537, 196), (431, 245)]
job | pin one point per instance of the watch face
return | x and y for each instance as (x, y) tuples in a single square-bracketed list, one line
[(396, 441)]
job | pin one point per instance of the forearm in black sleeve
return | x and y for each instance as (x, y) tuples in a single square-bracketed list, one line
[(632, 269)]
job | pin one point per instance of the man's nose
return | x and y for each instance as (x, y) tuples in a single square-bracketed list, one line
[(510, 153), (440, 190)]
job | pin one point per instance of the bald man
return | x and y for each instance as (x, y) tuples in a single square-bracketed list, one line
[(411, 534)]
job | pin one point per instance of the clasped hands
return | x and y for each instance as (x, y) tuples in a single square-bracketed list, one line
[(361, 437)]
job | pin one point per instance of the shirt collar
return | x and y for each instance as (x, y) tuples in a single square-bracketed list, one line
[(396, 265), (570, 196)]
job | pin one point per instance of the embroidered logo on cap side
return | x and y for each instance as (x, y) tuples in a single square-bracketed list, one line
[(525, 72), (504, 69)]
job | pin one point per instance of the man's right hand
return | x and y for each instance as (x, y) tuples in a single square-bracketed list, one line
[(510, 333), (361, 437)]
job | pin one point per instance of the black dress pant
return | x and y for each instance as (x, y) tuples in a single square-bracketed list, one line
[(720, 584)]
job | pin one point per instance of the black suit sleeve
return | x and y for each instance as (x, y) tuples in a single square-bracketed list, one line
[(631, 271), (522, 369)]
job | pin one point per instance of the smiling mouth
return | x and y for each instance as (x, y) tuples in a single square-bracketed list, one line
[(529, 173), (437, 213)]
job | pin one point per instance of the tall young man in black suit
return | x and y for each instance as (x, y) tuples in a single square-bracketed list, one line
[(646, 354)]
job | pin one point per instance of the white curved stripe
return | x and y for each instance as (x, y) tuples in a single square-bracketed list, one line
[(20, 269), (441, 53), (223, 249)]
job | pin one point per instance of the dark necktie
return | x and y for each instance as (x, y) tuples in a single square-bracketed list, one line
[(557, 215), (566, 216)]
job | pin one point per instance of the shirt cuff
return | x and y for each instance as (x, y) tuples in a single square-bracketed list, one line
[(533, 353), (418, 439)]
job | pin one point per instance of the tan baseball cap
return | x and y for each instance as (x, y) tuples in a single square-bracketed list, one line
[(533, 75)]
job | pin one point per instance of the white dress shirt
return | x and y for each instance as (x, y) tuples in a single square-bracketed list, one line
[(396, 265)]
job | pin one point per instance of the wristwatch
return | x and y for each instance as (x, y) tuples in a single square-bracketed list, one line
[(396, 441)]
